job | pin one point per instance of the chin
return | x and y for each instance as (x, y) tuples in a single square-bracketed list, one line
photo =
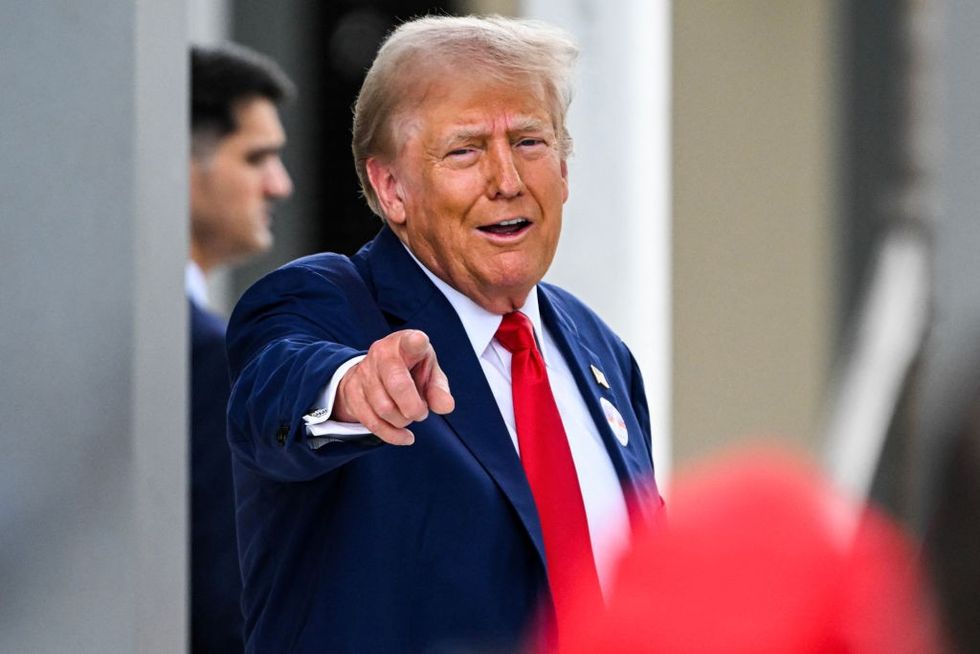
[(520, 281), (514, 290)]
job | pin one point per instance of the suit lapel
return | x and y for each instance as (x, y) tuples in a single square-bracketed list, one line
[(580, 358), (477, 420), (410, 301)]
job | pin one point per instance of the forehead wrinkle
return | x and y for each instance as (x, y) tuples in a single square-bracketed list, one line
[(528, 124)]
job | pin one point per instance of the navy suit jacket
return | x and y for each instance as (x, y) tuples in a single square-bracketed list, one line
[(365, 547), (216, 586)]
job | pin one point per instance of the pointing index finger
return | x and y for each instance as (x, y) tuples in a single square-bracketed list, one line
[(414, 347)]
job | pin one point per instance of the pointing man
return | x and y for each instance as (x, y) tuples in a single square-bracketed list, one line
[(425, 460)]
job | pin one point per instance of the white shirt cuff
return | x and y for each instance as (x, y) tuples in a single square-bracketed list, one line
[(319, 427)]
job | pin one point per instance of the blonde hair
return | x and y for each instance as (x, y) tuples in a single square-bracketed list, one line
[(504, 49)]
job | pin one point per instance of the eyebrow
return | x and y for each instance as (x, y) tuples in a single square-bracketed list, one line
[(265, 150), (521, 124)]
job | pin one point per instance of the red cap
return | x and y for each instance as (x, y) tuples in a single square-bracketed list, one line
[(759, 555)]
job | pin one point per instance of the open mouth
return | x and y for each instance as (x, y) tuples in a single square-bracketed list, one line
[(507, 227)]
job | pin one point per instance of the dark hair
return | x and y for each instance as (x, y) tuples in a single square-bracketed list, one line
[(225, 74)]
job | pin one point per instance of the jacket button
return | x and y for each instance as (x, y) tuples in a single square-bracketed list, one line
[(281, 435)]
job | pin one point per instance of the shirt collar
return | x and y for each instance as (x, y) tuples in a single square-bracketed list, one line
[(195, 284), (479, 324)]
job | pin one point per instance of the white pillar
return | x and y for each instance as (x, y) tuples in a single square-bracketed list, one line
[(615, 249)]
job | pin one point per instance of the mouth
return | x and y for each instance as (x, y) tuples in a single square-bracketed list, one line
[(511, 227)]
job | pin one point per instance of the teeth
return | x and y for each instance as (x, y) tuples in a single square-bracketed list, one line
[(508, 223)]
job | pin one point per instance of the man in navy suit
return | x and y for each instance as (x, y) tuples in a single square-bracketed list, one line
[(379, 419), (235, 177)]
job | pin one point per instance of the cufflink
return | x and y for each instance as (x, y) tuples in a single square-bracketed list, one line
[(316, 417)]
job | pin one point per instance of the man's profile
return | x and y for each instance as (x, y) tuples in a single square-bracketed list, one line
[(236, 176)]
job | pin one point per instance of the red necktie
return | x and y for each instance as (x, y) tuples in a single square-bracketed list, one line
[(550, 472)]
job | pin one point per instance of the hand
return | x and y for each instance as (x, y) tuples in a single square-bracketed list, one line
[(398, 382)]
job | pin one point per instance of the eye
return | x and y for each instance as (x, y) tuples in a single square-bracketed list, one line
[(532, 144), (464, 156), (261, 156), (257, 158)]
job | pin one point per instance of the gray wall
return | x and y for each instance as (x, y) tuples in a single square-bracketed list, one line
[(92, 326), (953, 353)]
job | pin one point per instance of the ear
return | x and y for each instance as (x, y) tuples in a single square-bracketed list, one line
[(564, 180), (385, 183), (197, 180)]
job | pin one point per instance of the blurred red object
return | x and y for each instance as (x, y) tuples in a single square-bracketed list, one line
[(759, 555)]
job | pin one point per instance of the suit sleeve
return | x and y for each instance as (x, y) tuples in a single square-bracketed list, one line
[(287, 336)]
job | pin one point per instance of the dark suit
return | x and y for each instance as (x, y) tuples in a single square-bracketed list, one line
[(365, 547), (216, 586)]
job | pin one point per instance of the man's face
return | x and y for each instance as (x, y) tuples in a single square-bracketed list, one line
[(234, 186), (477, 187)]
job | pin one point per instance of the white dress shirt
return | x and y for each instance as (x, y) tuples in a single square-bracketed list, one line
[(196, 285), (605, 506)]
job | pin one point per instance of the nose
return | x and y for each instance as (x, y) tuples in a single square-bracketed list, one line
[(277, 182), (503, 178)]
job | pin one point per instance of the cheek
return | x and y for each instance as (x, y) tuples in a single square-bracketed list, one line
[(456, 192), (439, 214), (247, 185)]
